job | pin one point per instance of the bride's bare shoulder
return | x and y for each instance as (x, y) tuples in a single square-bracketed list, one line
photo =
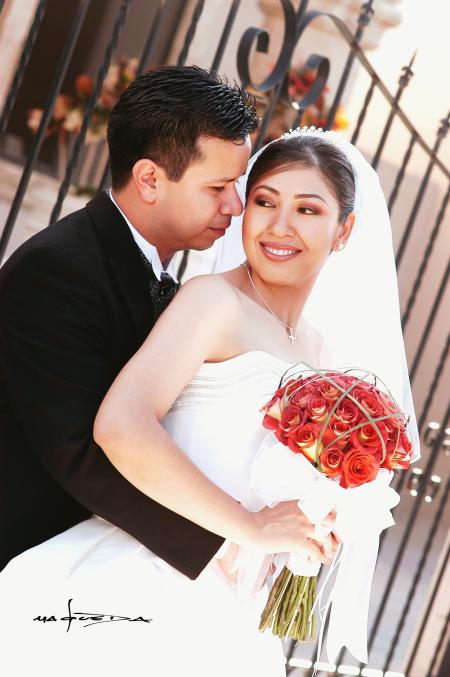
[(212, 289), (209, 298)]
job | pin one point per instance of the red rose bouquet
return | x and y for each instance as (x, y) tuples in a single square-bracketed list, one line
[(348, 427)]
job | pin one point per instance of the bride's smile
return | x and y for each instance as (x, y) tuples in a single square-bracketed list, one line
[(279, 252)]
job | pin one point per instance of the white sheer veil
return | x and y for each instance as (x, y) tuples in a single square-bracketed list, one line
[(355, 302)]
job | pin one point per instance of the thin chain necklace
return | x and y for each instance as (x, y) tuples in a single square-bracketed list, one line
[(290, 330)]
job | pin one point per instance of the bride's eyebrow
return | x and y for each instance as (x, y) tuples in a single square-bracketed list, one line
[(276, 192)]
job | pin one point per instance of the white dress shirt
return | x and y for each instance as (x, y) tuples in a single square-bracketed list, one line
[(150, 252)]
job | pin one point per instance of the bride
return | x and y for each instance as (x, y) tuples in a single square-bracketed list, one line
[(182, 423)]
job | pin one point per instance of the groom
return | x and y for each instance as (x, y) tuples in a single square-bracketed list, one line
[(78, 299)]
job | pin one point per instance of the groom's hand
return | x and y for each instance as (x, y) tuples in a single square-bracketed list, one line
[(224, 564)]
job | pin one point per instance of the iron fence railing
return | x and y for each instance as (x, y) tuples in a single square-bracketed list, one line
[(274, 91)]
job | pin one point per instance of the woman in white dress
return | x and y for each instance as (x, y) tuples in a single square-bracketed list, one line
[(217, 355)]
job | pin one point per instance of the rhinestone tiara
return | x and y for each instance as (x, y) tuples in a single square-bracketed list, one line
[(318, 132), (300, 131)]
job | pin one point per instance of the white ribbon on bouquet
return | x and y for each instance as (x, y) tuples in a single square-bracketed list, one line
[(277, 474)]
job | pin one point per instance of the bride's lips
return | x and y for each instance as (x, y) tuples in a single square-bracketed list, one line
[(279, 252)]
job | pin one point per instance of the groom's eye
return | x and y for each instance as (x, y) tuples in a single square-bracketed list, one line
[(218, 188)]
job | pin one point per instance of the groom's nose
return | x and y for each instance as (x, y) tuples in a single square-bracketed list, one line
[(231, 203)]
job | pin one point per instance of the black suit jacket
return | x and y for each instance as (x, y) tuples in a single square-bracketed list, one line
[(74, 307)]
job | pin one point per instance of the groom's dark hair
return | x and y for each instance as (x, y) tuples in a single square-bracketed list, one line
[(163, 113)]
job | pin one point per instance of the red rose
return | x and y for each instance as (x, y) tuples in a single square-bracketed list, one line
[(389, 405), (348, 412), (277, 396), (281, 436), (328, 391), (302, 396), (405, 441), (343, 380), (337, 428), (317, 409), (400, 455), (291, 418), (304, 440), (368, 400), (331, 461), (392, 425), (358, 467), (367, 438), (358, 384), (392, 428), (273, 410), (292, 385), (270, 422)]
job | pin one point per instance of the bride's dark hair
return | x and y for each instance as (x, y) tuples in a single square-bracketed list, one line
[(309, 151)]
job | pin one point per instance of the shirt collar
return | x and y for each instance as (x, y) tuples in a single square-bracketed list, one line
[(150, 252)]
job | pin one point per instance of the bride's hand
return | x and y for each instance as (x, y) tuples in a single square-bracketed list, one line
[(285, 528)]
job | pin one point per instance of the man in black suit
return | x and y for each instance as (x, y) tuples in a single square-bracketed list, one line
[(78, 299)]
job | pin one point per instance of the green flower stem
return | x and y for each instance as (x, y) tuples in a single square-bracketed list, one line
[(289, 607), (304, 624), (282, 591), (289, 601), (294, 610), (282, 606), (296, 605), (309, 605), (275, 598), (298, 625), (314, 618)]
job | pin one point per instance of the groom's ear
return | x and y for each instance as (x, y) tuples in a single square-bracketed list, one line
[(146, 176)]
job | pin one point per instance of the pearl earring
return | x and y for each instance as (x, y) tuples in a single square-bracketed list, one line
[(340, 246)]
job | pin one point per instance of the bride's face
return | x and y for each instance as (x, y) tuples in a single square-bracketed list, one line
[(291, 223)]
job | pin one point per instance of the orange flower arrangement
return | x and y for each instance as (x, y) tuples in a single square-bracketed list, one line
[(68, 112), (299, 83)]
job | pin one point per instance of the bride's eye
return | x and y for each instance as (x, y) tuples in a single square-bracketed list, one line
[(261, 202), (307, 210), (218, 188)]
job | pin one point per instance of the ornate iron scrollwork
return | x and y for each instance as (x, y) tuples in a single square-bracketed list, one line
[(295, 23), (321, 65), (262, 39)]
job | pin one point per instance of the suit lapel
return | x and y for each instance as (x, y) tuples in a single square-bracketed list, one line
[(123, 259)]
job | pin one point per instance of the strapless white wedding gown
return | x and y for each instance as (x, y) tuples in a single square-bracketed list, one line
[(198, 628)]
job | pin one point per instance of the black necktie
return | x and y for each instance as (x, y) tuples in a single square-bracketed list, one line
[(161, 291)]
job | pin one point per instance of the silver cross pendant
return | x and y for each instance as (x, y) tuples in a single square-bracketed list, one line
[(291, 336)]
